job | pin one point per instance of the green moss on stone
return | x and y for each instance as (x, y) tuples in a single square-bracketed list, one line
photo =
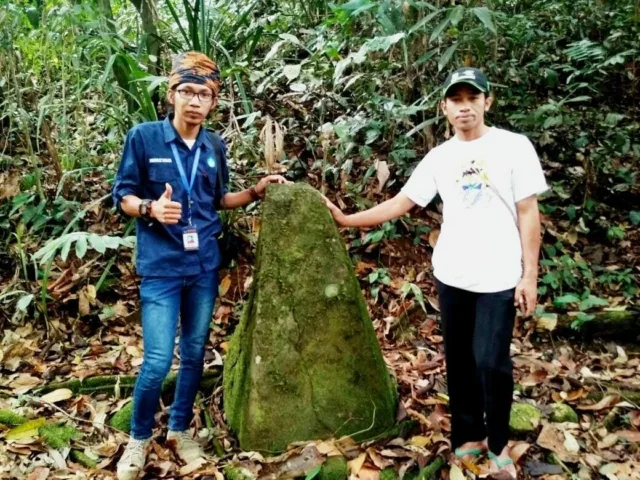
[(237, 473), (10, 418), (389, 474), (122, 419), (58, 435), (524, 418), (304, 362), (335, 468), (561, 412), (83, 459)]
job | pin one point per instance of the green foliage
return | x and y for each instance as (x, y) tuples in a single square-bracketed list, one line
[(82, 241), (351, 83), (377, 279)]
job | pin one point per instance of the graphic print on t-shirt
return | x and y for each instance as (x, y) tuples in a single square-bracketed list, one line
[(475, 183)]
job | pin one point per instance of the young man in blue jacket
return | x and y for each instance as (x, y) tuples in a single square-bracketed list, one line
[(486, 259), (169, 179)]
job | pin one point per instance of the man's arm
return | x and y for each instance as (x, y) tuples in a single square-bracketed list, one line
[(529, 226), (392, 208), (245, 197)]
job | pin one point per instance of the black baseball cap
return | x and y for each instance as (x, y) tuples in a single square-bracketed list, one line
[(471, 76)]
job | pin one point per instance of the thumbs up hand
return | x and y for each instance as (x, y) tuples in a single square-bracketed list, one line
[(167, 191), (166, 211)]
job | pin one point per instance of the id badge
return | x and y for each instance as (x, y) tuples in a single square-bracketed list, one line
[(190, 239)]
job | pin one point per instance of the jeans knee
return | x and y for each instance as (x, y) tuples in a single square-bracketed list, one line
[(192, 355), (154, 371)]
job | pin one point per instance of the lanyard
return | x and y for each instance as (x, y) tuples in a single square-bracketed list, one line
[(183, 176)]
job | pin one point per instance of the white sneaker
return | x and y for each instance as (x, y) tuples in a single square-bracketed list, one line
[(185, 447), (131, 464)]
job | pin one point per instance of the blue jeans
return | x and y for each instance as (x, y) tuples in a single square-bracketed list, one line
[(163, 299)]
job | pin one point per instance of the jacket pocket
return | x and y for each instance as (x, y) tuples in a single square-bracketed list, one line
[(161, 172)]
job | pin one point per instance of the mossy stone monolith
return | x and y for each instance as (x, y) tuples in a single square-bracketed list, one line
[(304, 362)]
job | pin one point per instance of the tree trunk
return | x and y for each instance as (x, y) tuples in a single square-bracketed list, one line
[(149, 17), (623, 325)]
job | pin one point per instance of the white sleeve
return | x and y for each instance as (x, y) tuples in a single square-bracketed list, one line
[(527, 177), (421, 186)]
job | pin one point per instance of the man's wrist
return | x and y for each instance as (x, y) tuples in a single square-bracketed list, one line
[(254, 193), (530, 276), (151, 209), (145, 209)]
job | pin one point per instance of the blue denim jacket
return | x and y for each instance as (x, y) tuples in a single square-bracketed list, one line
[(147, 164)]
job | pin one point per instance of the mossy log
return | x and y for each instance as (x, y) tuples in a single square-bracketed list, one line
[(11, 418), (624, 325), (83, 459), (109, 384), (304, 362), (122, 418), (626, 391), (429, 472)]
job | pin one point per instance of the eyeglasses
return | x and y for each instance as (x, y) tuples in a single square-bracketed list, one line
[(204, 97)]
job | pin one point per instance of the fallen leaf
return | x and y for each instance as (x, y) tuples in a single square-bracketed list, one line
[(328, 449), (419, 441), (570, 443), (622, 356), (433, 237), (224, 286), (606, 402), (634, 418), (84, 304), (608, 441), (536, 378), (24, 383), (434, 302), (298, 465), (356, 464), (380, 462), (456, 474), (26, 430), (382, 173), (367, 473), (133, 351), (629, 435), (553, 439), (40, 473), (547, 322), (192, 466), (57, 458), (518, 451), (59, 395)]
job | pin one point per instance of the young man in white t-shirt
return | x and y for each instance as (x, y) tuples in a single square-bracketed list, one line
[(486, 259)]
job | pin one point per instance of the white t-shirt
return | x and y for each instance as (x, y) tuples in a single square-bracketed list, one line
[(479, 247), (190, 143)]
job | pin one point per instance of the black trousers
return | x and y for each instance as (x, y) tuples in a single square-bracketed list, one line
[(478, 328)]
